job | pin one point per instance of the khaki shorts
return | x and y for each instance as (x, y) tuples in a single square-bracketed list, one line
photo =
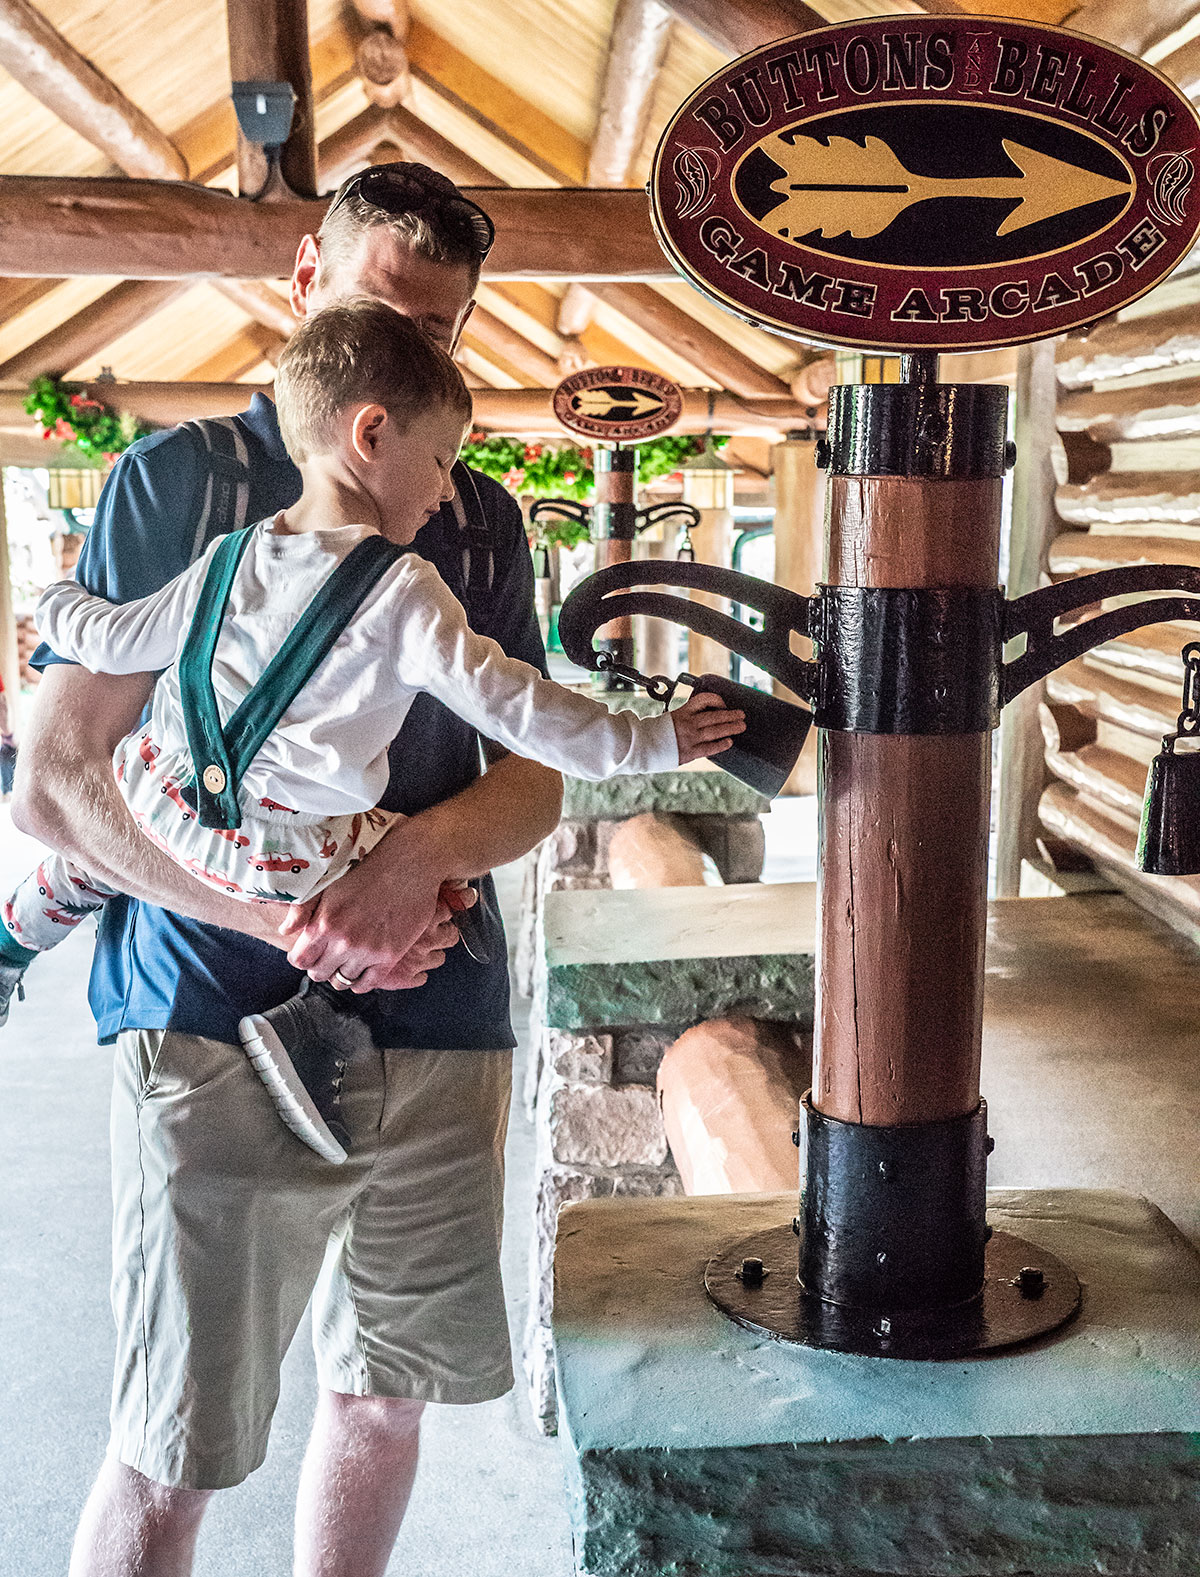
[(224, 1224)]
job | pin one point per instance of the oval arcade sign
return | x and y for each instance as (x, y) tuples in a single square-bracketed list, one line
[(618, 405), (930, 182)]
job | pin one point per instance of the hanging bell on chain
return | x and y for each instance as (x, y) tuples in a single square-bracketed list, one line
[(1169, 841)]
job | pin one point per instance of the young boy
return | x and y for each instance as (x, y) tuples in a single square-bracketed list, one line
[(293, 651)]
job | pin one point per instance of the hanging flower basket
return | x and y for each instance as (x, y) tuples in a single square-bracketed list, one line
[(86, 429)]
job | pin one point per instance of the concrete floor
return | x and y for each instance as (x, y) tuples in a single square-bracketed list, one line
[(489, 1496), (488, 1500)]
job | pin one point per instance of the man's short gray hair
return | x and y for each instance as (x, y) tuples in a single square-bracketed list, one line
[(431, 233)]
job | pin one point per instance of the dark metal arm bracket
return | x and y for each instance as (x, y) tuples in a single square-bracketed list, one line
[(889, 660)]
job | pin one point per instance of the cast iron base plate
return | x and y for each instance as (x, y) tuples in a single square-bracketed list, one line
[(1001, 1316)]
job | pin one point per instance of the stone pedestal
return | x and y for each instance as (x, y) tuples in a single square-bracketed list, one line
[(619, 976), (696, 1449)]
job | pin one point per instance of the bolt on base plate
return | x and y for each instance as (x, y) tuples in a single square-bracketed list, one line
[(1016, 1304)]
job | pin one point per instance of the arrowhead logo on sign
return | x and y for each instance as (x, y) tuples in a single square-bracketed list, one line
[(618, 404), (929, 182)]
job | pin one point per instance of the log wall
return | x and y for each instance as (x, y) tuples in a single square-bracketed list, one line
[(1128, 492)]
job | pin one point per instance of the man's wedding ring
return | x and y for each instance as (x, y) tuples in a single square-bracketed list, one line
[(339, 980)]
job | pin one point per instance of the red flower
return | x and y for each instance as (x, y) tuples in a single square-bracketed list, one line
[(568, 477), (47, 432), (513, 477), (532, 451), (77, 399), (63, 430), (477, 438)]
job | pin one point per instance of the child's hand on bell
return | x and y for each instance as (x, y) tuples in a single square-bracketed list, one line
[(704, 726)]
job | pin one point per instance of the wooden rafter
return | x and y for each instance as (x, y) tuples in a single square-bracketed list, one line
[(50, 68), (260, 303), (492, 334), (506, 116), (238, 356), (674, 327), (422, 143), (89, 331), (268, 41), (737, 26), (1133, 25), (161, 230), (17, 294)]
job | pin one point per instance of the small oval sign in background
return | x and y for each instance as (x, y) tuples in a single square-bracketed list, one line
[(620, 405), (923, 183)]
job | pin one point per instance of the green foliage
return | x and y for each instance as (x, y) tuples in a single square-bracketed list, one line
[(566, 471), (89, 430)]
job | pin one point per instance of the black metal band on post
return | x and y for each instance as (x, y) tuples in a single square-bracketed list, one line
[(894, 1218), (615, 520), (894, 661), (943, 430)]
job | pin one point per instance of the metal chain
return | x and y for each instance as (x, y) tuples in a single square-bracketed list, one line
[(657, 686), (1188, 725)]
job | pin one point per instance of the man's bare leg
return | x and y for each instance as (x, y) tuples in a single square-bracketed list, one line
[(354, 1486), (132, 1527)]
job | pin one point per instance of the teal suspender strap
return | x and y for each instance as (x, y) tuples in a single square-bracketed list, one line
[(215, 787), (219, 770)]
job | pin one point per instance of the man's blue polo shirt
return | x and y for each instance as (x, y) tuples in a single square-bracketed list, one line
[(158, 970)]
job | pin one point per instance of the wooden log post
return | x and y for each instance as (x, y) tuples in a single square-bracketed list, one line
[(729, 1090), (895, 1204), (711, 492), (10, 662), (614, 526), (268, 42), (904, 839), (799, 550)]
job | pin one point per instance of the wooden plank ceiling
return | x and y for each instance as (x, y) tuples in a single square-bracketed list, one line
[(525, 93)]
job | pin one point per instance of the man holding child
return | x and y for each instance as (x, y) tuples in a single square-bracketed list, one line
[(223, 1223)]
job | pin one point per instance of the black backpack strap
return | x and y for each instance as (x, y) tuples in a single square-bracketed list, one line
[(221, 755), (225, 504), (478, 557)]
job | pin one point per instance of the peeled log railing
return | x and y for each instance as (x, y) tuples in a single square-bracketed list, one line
[(1104, 715)]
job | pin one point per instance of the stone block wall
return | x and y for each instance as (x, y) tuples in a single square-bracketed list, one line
[(590, 1089)]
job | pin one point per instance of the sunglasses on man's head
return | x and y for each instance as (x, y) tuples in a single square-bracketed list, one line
[(399, 190)]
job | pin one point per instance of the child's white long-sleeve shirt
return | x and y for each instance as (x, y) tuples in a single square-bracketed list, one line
[(328, 753)]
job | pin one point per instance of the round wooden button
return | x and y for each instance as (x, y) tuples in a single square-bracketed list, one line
[(213, 779)]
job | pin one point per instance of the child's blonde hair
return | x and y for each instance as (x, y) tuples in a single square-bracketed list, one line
[(360, 351)]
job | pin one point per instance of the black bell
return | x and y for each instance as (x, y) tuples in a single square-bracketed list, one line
[(1169, 841), (775, 733)]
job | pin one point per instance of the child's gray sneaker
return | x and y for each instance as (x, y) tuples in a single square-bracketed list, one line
[(300, 1050), (10, 980)]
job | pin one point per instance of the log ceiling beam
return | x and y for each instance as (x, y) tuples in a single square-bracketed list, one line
[(637, 49), (161, 230), (636, 52), (516, 411), (350, 147), (268, 41), (58, 76), (89, 331), (675, 328)]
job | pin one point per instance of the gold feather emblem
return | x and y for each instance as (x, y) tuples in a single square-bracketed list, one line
[(858, 189)]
